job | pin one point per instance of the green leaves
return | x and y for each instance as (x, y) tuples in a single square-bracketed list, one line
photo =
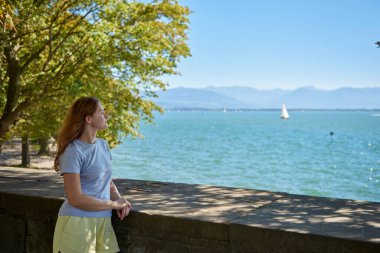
[(114, 50)]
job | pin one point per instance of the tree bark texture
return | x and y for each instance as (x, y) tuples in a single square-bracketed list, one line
[(25, 151)]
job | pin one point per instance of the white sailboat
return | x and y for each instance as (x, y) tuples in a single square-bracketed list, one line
[(284, 112)]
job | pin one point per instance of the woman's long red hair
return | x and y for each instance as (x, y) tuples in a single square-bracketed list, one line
[(74, 123)]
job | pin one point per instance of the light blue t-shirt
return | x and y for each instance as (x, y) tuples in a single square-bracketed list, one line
[(93, 163)]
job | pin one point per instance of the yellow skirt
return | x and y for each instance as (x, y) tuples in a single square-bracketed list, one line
[(84, 235)]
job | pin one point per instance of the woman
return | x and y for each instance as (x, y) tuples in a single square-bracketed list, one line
[(84, 219)]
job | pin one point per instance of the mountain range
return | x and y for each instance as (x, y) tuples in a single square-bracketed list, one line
[(237, 97)]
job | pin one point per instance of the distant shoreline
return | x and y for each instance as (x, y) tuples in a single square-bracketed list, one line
[(304, 98), (266, 109)]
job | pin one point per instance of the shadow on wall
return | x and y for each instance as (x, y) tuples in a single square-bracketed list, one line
[(295, 213)]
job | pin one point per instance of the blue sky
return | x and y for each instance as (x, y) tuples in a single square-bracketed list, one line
[(282, 44)]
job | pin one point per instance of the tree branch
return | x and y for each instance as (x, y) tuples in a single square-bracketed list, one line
[(38, 52), (69, 55), (60, 10), (50, 56), (68, 19), (72, 68), (50, 49), (7, 120), (73, 28), (71, 32)]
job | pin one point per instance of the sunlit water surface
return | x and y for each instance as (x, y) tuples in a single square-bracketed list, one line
[(259, 150)]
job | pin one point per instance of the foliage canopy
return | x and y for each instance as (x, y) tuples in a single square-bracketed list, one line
[(55, 51)]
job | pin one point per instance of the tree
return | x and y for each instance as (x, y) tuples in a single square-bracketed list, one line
[(59, 50)]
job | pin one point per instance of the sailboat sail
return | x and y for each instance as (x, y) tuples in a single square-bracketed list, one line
[(284, 113)]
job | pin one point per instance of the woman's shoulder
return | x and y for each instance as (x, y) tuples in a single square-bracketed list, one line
[(101, 139), (73, 146), (102, 142), (72, 150)]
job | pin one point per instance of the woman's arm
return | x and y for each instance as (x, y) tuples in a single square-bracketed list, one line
[(82, 201), (115, 195)]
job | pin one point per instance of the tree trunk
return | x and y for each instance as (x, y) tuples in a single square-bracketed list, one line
[(25, 151), (44, 146), (11, 111)]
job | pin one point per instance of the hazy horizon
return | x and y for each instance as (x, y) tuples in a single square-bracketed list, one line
[(278, 88), (247, 97)]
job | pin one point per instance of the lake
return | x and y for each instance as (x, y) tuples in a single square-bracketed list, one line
[(319, 153)]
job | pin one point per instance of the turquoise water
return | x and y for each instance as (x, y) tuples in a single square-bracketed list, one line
[(259, 150)]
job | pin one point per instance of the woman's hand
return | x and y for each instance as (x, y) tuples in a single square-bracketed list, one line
[(122, 208)]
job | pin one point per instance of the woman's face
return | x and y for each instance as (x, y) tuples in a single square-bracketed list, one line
[(99, 118)]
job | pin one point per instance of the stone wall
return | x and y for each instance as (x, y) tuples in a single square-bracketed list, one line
[(170, 217)]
